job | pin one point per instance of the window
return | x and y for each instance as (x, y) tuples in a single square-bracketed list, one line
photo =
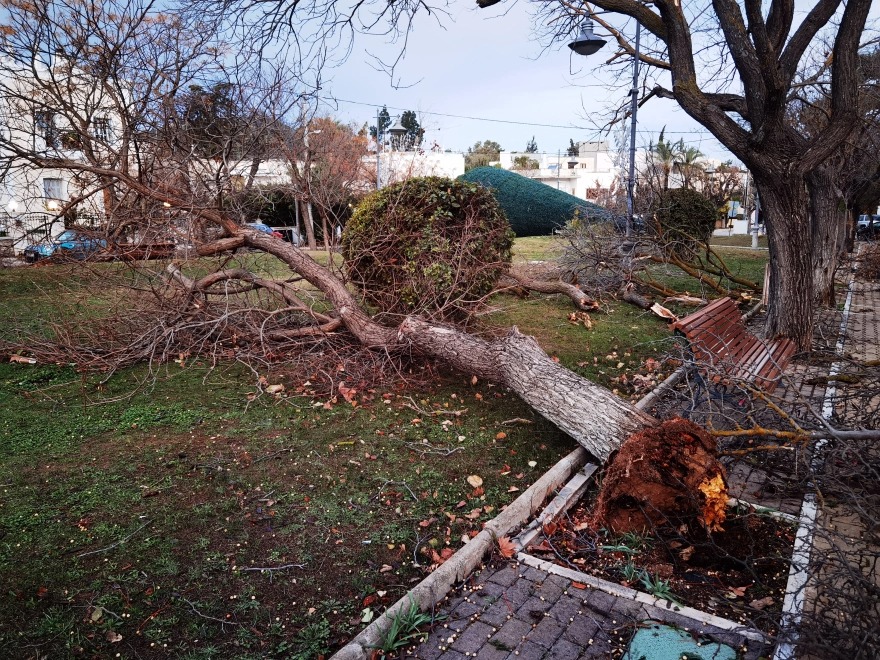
[(101, 128), (44, 127), (53, 188)]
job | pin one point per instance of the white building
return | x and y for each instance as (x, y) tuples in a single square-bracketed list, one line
[(586, 175), (394, 166), (33, 198)]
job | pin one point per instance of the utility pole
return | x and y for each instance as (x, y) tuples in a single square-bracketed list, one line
[(378, 162)]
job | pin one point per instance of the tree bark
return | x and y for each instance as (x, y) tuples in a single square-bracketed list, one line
[(597, 419), (826, 222), (791, 260), (309, 222)]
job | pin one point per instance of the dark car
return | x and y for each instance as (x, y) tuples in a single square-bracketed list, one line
[(69, 244), (638, 224), (868, 227)]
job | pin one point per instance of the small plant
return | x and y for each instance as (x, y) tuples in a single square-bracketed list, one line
[(404, 629), (630, 572), (658, 588), (312, 641), (631, 543)]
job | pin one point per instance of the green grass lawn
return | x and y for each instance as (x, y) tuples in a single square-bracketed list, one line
[(180, 512)]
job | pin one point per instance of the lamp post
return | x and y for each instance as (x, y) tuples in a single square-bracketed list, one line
[(398, 131), (588, 43)]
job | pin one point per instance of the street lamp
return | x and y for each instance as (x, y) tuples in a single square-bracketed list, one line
[(588, 43), (398, 130)]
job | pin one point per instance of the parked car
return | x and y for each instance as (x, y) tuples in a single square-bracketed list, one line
[(69, 244), (266, 229), (868, 227)]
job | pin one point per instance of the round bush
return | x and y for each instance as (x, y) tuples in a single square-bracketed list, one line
[(683, 218), (429, 246)]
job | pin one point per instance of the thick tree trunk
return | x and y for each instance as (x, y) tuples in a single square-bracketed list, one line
[(593, 416), (826, 222), (790, 313)]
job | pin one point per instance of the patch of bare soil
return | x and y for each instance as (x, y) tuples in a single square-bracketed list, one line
[(739, 572)]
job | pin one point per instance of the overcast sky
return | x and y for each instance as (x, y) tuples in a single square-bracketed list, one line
[(485, 67)]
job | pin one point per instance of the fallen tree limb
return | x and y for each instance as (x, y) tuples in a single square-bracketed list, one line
[(593, 416), (580, 299)]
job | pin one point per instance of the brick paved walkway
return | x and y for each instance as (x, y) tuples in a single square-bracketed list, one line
[(520, 612)]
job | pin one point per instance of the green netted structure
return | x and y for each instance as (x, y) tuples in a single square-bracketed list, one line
[(533, 208)]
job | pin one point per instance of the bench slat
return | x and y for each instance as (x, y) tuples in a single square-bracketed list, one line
[(718, 337)]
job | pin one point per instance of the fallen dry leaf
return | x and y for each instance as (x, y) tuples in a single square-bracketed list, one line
[(386, 568), (475, 480), (113, 637), (578, 585), (500, 435), (506, 547), (761, 603)]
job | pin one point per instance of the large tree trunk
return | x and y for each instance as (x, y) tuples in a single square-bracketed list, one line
[(790, 313), (826, 223), (593, 416)]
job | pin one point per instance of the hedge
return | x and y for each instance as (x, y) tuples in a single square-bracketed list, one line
[(533, 208)]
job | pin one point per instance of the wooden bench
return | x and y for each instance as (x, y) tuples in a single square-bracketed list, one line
[(721, 344)]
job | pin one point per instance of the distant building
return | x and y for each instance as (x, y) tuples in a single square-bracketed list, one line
[(395, 166), (33, 198), (587, 175)]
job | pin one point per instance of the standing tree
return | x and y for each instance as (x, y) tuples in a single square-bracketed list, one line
[(384, 122), (763, 51), (414, 131), (572, 151), (481, 154), (532, 146)]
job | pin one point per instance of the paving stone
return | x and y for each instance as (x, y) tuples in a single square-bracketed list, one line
[(581, 630), (534, 574), (465, 609), (628, 609), (453, 655), (488, 590), (566, 608), (456, 624), (482, 577), (506, 576), (473, 637), (546, 632), (600, 601), (432, 649), (519, 593), (564, 650), (511, 633), (600, 648), (528, 651), (552, 588), (496, 614)]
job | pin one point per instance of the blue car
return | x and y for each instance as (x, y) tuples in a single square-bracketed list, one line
[(69, 244), (266, 229)]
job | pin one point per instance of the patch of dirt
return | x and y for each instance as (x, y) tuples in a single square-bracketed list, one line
[(738, 573)]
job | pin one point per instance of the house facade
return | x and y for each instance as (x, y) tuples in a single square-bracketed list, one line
[(47, 115), (587, 175)]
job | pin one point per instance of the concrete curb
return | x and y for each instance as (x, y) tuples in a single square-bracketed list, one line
[(434, 588)]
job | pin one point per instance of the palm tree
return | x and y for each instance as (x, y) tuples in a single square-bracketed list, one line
[(687, 164), (665, 155)]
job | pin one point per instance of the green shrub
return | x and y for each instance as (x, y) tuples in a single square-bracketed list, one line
[(533, 208), (429, 246), (682, 220)]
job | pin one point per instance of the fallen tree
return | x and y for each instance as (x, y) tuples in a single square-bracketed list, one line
[(593, 416)]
